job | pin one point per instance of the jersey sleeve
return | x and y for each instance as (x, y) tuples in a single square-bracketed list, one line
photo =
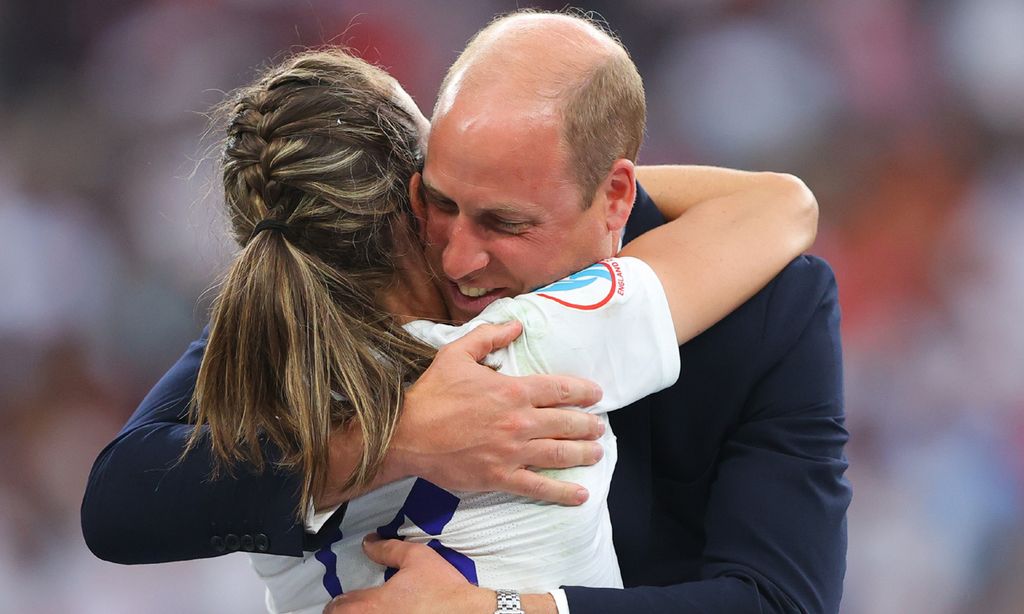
[(609, 323)]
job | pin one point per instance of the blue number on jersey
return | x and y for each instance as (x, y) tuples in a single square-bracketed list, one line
[(430, 508)]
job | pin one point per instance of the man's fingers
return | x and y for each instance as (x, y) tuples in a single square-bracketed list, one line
[(347, 602), (560, 453), (557, 423), (536, 486), (486, 338), (388, 552), (333, 606), (352, 601), (561, 391)]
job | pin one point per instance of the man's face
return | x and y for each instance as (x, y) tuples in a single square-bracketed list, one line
[(500, 213)]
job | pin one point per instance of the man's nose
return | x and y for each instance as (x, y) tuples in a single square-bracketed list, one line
[(465, 253)]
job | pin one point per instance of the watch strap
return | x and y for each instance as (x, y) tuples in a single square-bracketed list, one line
[(508, 602)]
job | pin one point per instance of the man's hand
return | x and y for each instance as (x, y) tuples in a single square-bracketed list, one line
[(425, 584), (466, 427)]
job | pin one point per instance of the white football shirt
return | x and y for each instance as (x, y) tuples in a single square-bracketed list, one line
[(609, 323)]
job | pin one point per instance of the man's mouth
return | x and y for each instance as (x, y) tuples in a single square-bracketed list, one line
[(472, 299), (472, 291)]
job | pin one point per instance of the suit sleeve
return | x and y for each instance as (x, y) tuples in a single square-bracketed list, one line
[(775, 522), (143, 505)]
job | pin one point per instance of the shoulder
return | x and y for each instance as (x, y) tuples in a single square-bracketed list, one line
[(800, 308), (803, 290), (795, 294), (803, 294), (807, 279)]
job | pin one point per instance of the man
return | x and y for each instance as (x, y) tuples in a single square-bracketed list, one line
[(729, 487), (728, 495)]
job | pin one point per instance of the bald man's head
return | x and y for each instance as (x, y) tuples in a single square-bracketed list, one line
[(544, 65)]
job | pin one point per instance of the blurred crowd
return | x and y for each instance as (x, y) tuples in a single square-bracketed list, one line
[(906, 117)]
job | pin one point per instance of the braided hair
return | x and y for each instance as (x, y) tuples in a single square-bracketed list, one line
[(315, 168)]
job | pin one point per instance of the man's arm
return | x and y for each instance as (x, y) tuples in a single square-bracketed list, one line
[(142, 506)]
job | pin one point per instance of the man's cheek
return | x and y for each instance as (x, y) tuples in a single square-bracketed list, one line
[(435, 234)]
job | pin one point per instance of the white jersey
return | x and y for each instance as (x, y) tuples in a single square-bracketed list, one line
[(609, 323)]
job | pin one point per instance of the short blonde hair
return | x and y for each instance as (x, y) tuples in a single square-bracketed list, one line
[(604, 109)]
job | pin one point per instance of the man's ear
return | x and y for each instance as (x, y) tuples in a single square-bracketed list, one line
[(419, 208), (617, 192)]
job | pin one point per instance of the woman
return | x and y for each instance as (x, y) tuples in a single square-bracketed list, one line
[(306, 334)]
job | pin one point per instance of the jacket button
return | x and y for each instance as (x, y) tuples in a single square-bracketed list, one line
[(262, 542), (218, 543), (231, 542), (247, 542)]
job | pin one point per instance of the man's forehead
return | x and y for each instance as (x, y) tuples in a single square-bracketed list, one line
[(507, 159), (488, 94), (499, 145)]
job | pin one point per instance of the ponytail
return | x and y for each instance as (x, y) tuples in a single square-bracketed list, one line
[(315, 176)]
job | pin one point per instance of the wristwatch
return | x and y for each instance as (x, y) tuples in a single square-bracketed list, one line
[(508, 602)]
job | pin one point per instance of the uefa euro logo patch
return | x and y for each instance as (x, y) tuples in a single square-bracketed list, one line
[(588, 289)]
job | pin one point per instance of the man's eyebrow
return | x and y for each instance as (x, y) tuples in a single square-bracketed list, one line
[(497, 209), (509, 211), (434, 192)]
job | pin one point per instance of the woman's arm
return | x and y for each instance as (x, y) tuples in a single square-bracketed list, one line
[(677, 188), (730, 233)]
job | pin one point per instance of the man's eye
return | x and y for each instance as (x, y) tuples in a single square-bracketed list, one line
[(511, 227), (442, 205)]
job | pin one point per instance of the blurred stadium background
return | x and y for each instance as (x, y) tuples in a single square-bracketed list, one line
[(906, 117)]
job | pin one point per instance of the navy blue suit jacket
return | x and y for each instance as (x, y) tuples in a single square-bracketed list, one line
[(728, 495)]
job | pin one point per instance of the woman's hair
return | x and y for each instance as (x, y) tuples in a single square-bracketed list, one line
[(316, 168)]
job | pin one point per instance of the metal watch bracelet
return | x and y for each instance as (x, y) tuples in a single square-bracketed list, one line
[(508, 602)]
